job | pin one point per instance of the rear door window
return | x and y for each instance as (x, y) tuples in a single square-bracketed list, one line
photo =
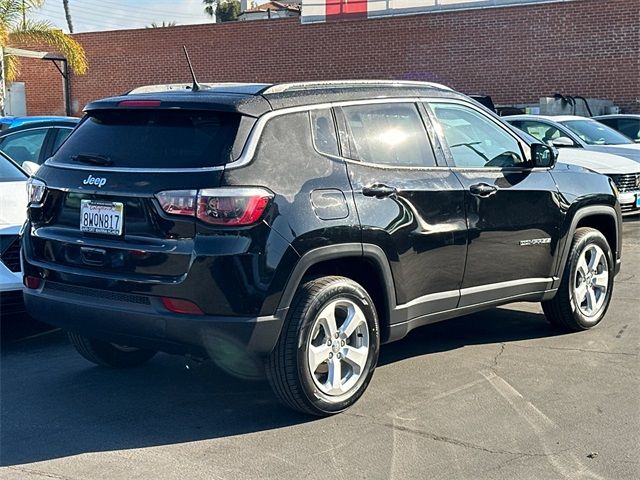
[(152, 139), (388, 134), (24, 146)]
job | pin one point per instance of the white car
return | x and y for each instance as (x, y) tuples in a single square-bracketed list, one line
[(570, 131), (623, 170), (13, 213)]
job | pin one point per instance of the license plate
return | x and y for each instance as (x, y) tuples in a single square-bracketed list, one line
[(101, 217)]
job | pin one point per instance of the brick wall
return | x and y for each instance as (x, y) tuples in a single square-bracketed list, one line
[(515, 54)]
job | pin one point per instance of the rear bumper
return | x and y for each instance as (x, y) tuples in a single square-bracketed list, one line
[(141, 321)]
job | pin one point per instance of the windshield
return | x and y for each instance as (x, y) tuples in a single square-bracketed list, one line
[(595, 133), (152, 139)]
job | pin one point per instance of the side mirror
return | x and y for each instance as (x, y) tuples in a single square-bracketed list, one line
[(543, 155), (30, 167), (562, 142)]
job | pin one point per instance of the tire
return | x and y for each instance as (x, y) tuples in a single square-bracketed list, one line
[(570, 310), (109, 354), (306, 339)]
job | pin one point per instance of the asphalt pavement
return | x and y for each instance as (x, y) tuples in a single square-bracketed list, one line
[(494, 395)]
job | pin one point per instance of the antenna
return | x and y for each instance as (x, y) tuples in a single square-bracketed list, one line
[(196, 86)]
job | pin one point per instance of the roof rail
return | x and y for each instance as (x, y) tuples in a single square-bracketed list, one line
[(172, 87), (294, 86)]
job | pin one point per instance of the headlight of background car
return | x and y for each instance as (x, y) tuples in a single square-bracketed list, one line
[(614, 187), (35, 190)]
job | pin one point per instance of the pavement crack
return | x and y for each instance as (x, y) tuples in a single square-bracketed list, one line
[(584, 350), (453, 441), (463, 444), (494, 363), (33, 471)]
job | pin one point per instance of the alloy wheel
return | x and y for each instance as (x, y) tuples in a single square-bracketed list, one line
[(338, 347)]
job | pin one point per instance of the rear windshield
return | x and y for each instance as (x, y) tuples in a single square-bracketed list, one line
[(152, 139)]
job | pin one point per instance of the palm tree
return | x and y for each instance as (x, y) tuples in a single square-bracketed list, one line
[(16, 28), (67, 14), (161, 25)]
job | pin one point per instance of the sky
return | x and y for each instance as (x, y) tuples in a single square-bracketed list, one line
[(93, 15)]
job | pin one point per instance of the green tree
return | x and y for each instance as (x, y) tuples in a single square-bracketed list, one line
[(223, 10), (16, 28)]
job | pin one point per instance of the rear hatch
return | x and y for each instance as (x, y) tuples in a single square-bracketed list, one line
[(101, 211)]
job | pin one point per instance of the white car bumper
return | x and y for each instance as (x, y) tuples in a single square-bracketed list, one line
[(9, 281), (630, 202)]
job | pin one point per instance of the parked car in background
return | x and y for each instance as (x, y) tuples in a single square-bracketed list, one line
[(570, 131), (299, 226), (13, 213), (30, 144), (627, 124), (11, 122), (623, 171)]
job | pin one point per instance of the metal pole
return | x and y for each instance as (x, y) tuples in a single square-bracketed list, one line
[(67, 87), (3, 86)]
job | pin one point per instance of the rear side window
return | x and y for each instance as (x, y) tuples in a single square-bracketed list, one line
[(324, 131), (153, 138), (542, 132), (388, 134), (61, 136)]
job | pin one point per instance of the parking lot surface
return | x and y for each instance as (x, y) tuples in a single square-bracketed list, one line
[(494, 395)]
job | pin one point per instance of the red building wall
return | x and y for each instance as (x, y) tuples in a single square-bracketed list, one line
[(515, 54)]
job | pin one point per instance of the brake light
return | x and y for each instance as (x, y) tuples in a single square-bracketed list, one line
[(232, 206), (218, 206), (139, 103), (178, 305)]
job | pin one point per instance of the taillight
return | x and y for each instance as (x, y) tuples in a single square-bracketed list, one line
[(35, 190), (178, 202), (218, 206)]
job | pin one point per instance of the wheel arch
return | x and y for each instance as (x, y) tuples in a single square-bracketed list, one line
[(365, 264), (603, 218)]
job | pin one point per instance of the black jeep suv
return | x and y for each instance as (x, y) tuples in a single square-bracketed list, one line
[(296, 227)]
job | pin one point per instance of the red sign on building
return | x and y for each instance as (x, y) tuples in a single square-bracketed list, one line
[(336, 9)]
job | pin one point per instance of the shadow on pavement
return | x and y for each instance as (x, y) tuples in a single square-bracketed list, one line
[(17, 326), (54, 404), (492, 326)]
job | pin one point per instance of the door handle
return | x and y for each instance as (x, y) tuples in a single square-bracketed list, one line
[(483, 190), (379, 190)]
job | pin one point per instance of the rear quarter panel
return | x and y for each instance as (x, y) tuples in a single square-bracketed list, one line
[(286, 162)]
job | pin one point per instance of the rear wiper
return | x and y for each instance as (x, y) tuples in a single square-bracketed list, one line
[(92, 159)]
